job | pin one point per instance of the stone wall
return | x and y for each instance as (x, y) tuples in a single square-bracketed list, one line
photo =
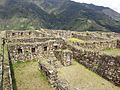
[(64, 56), (118, 43), (33, 50), (59, 33), (49, 71), (1, 71), (62, 85), (32, 40), (51, 74), (106, 66), (95, 36), (38, 33), (98, 45), (22, 34)]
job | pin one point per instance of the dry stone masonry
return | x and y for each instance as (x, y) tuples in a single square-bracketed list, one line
[(1, 70), (98, 45), (106, 66), (62, 85), (64, 56), (49, 71), (53, 50)]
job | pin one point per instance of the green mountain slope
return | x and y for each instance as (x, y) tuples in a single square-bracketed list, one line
[(57, 14)]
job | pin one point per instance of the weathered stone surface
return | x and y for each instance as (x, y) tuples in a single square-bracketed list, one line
[(106, 66), (1, 71), (98, 45), (95, 36), (31, 45), (64, 56), (62, 85), (34, 50), (49, 71)]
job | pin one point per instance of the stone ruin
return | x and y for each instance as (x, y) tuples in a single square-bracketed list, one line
[(62, 85), (64, 56), (52, 49), (49, 71), (1, 71)]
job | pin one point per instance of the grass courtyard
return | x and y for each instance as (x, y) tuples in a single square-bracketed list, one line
[(111, 51), (28, 77), (80, 77)]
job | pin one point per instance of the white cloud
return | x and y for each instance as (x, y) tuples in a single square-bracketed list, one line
[(113, 4)]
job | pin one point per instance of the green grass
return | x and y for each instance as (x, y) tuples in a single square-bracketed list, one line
[(75, 40), (28, 77), (80, 77), (111, 51)]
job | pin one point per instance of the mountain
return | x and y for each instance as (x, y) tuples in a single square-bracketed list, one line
[(57, 14)]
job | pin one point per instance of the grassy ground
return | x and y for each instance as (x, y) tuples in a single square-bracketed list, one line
[(80, 77), (28, 77), (75, 40), (112, 51)]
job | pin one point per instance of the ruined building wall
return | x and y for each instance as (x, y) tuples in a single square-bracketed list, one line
[(38, 34), (106, 66), (97, 45), (49, 71), (22, 34), (32, 40), (33, 50), (118, 43), (95, 36), (1, 70), (63, 85), (59, 33), (51, 74), (64, 56)]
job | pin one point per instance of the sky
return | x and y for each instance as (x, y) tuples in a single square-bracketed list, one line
[(113, 4)]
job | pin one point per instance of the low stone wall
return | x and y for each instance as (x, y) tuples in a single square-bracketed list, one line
[(118, 43), (95, 36), (98, 45), (64, 56), (31, 40), (1, 71), (62, 85), (105, 65), (49, 71)]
